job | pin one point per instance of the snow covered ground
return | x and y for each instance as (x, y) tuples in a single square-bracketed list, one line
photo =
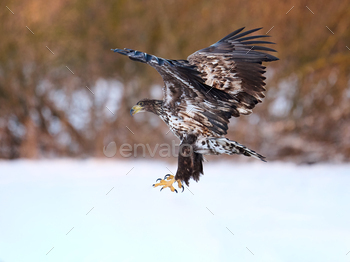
[(95, 210)]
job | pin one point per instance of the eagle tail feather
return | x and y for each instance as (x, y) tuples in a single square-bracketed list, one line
[(222, 145), (233, 147)]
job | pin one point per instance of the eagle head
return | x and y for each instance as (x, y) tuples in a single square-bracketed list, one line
[(147, 105)]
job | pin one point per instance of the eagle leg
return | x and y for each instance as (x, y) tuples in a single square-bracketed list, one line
[(168, 181)]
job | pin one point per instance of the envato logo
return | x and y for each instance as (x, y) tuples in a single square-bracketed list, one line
[(135, 150)]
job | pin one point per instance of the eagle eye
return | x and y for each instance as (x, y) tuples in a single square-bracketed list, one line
[(140, 103)]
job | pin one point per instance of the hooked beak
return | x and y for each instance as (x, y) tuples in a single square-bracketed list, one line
[(135, 109)]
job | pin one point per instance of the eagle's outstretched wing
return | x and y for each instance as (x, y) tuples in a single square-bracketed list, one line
[(185, 94), (215, 83), (233, 65)]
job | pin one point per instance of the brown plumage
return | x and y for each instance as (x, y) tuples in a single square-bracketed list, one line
[(203, 92)]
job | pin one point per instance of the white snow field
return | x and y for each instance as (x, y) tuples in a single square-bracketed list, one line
[(96, 210)]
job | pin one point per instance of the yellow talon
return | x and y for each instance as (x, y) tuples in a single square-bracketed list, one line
[(179, 184), (168, 181)]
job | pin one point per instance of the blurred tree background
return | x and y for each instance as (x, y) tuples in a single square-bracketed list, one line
[(64, 93)]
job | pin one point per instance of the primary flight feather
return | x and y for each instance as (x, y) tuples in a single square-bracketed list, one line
[(202, 93)]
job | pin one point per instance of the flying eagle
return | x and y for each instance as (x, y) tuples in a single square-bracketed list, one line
[(202, 93)]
